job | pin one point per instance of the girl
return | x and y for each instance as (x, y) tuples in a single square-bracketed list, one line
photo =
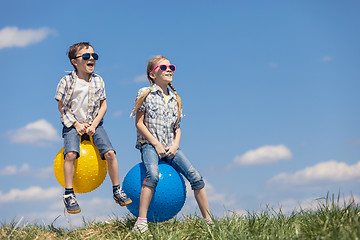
[(158, 112)]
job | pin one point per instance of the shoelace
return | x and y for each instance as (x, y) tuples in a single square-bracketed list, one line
[(72, 201), (121, 193)]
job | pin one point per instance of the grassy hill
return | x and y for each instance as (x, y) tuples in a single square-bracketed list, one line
[(331, 220)]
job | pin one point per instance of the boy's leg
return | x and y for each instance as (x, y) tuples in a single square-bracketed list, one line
[(107, 152), (69, 168), (71, 152), (118, 194), (113, 167)]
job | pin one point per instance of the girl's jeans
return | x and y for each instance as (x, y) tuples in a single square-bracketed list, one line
[(180, 163)]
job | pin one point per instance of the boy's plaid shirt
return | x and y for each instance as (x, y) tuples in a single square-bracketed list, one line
[(65, 89), (158, 118)]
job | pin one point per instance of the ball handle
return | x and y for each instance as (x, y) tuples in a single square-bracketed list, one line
[(86, 137)]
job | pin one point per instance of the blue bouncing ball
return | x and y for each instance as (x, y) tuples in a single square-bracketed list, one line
[(169, 195)]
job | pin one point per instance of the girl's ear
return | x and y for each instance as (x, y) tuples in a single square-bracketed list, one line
[(152, 75)]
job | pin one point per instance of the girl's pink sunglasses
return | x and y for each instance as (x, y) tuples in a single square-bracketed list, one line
[(164, 67)]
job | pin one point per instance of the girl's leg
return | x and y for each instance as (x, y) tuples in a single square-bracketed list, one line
[(150, 160), (182, 164), (145, 199), (201, 199)]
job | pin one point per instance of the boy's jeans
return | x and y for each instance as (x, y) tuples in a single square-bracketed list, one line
[(100, 138)]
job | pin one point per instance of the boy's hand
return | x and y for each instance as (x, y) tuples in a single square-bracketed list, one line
[(90, 130), (171, 151), (81, 127)]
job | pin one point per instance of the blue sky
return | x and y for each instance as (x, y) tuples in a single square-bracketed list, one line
[(269, 89)]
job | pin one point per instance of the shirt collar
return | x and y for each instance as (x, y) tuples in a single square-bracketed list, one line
[(74, 76), (155, 89)]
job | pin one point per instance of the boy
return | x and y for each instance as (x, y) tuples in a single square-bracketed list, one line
[(82, 104)]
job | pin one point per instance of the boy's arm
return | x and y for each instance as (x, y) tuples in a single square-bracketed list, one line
[(103, 108), (80, 128), (139, 123), (60, 107)]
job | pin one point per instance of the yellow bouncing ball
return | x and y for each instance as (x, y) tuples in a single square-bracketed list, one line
[(90, 169)]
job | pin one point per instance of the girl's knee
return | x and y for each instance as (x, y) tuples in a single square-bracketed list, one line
[(152, 178), (197, 181)]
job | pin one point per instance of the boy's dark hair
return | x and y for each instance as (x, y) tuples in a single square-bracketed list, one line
[(74, 49)]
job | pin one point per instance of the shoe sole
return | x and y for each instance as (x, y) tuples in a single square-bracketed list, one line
[(73, 212), (124, 203)]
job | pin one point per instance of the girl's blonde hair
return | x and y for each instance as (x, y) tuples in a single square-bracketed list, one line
[(151, 65)]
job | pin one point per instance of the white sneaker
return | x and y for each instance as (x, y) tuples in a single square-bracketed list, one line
[(140, 227)]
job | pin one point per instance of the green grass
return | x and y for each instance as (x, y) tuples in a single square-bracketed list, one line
[(331, 220)]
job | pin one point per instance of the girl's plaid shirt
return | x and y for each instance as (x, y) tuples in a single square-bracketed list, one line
[(65, 89), (158, 118)]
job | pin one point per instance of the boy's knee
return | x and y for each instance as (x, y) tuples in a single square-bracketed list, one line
[(71, 156), (109, 155)]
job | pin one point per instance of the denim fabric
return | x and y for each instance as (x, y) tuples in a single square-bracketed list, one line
[(180, 163), (100, 139)]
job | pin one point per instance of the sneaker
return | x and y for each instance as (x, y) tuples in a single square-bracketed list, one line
[(121, 198), (71, 204), (140, 227), (209, 222)]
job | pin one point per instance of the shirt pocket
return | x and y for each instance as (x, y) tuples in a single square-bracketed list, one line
[(152, 111)]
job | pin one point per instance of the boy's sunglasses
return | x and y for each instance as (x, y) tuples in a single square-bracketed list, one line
[(86, 56), (165, 67)]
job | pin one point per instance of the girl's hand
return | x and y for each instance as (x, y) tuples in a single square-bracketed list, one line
[(81, 127), (171, 151), (90, 131), (160, 150)]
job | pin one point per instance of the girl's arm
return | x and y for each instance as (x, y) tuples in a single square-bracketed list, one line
[(141, 127), (171, 151), (103, 108)]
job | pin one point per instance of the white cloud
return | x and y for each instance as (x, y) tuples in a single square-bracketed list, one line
[(30, 195), (324, 171), (264, 155), (141, 78), (14, 37), (13, 170), (215, 197), (327, 59), (117, 114), (25, 169), (40, 133)]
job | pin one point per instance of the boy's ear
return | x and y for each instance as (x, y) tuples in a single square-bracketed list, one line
[(73, 61)]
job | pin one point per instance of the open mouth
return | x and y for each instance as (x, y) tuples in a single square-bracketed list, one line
[(90, 65)]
